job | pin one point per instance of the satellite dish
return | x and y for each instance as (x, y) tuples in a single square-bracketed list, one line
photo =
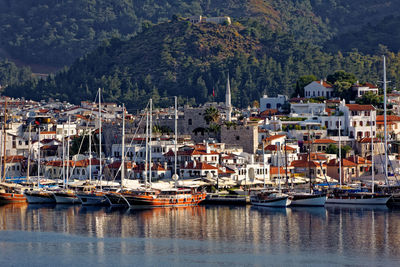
[(175, 177), (209, 175)]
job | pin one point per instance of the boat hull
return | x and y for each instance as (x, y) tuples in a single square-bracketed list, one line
[(358, 201), (40, 198), (309, 200), (276, 202), (227, 199), (151, 201), (6, 198), (63, 198), (93, 199), (116, 200)]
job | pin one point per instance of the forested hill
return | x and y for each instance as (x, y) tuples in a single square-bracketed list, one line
[(56, 32), (192, 60)]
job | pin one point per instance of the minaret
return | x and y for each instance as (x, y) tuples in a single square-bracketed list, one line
[(228, 100)]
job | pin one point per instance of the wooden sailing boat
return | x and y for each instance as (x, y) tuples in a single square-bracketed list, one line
[(175, 197), (38, 195), (9, 192), (345, 196), (90, 195), (309, 199), (272, 198)]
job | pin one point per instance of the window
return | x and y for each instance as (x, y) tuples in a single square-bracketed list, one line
[(190, 121), (361, 123), (354, 124), (268, 105), (238, 137)]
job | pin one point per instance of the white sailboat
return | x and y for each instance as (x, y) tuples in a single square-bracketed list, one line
[(272, 198), (343, 196), (90, 196)]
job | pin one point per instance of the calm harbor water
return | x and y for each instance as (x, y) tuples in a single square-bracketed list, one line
[(206, 235)]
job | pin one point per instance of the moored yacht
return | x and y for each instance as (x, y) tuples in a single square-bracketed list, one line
[(357, 198), (270, 199), (11, 193), (39, 196), (88, 195), (66, 196), (308, 199), (169, 198)]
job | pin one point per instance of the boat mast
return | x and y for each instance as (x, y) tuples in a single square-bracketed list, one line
[(150, 136), (286, 164), (63, 156), (309, 155), (123, 146), (147, 143), (5, 140), (278, 148), (29, 153), (176, 141), (340, 156), (69, 135), (384, 118), (90, 156), (263, 151), (38, 170), (100, 170), (372, 157)]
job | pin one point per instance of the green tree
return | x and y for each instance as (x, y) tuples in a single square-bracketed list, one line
[(211, 115), (332, 149)]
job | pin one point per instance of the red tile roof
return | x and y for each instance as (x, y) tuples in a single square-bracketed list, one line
[(274, 148), (199, 166), (324, 84), (368, 140), (345, 163), (357, 107)]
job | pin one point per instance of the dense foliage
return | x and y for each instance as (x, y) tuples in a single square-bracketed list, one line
[(10, 74), (192, 61), (56, 32)]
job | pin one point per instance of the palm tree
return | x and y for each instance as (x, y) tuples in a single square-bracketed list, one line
[(211, 115)]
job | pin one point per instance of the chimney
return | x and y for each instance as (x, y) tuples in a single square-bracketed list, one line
[(165, 165), (321, 82), (208, 148)]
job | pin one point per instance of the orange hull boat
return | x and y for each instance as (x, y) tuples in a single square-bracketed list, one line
[(6, 198), (168, 200)]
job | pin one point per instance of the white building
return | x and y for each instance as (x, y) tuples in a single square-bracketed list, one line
[(318, 89), (362, 88), (307, 109), (359, 119), (272, 102)]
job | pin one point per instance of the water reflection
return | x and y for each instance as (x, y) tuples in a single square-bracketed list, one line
[(335, 235)]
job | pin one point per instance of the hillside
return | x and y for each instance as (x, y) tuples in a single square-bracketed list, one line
[(190, 60), (55, 33)]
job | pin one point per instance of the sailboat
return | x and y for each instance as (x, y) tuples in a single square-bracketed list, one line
[(272, 198), (89, 195), (65, 195), (346, 196), (9, 192), (174, 197), (309, 199), (38, 195)]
